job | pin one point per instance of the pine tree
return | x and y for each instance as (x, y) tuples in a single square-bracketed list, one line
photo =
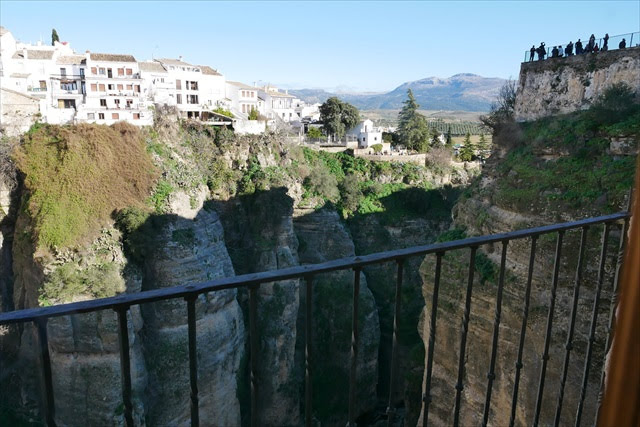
[(448, 135), (413, 131), (54, 37), (466, 152)]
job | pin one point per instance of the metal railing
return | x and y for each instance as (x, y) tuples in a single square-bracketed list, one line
[(121, 304), (612, 44)]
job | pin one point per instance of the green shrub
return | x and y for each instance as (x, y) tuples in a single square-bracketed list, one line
[(376, 148)]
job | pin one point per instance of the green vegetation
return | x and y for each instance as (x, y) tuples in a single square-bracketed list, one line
[(413, 131), (467, 151), (54, 37), (224, 112), (70, 281), (583, 175), (253, 115), (376, 148), (338, 117), (314, 133), (77, 176)]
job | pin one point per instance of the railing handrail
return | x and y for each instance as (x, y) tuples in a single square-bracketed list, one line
[(301, 271), (585, 41)]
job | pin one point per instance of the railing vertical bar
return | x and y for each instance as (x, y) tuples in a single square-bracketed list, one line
[(432, 339), (125, 363), (463, 334), (523, 330), (193, 360), (594, 319), (574, 309), (354, 348), (614, 305), (547, 338), (491, 375), (308, 372), (253, 351), (394, 348), (49, 404)]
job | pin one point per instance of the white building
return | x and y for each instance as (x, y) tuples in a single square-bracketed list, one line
[(278, 104), (187, 78), (114, 91), (212, 88), (158, 87), (242, 98), (367, 135)]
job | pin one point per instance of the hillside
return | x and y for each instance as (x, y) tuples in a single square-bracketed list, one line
[(464, 92)]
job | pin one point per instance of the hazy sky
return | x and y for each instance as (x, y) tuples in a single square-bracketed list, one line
[(372, 46)]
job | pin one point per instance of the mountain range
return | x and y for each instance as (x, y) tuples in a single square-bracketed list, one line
[(463, 92)]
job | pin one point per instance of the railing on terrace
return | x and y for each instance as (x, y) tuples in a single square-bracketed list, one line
[(612, 44), (122, 303)]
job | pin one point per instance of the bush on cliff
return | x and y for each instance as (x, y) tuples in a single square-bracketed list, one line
[(75, 177)]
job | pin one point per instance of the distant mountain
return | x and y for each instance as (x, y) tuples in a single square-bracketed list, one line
[(464, 92)]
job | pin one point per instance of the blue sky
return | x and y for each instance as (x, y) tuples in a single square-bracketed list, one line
[(364, 46)]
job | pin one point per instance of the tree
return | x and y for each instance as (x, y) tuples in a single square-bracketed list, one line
[(503, 108), (314, 133), (253, 115), (413, 131), (54, 37), (466, 152), (337, 117), (448, 136)]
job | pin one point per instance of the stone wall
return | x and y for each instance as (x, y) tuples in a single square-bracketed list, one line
[(564, 85)]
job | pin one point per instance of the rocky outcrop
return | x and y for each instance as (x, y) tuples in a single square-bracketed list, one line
[(323, 237), (191, 251), (564, 85)]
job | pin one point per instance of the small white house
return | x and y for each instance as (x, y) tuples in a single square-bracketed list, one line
[(368, 135)]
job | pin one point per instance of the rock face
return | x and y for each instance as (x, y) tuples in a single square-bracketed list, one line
[(322, 238), (192, 251), (564, 85)]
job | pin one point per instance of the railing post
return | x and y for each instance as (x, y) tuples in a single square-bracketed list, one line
[(547, 338), (253, 350), (491, 375), (594, 319), (523, 330), (394, 348), (193, 359), (574, 309), (463, 334), (308, 380), (426, 398), (354, 348), (49, 404), (125, 363), (614, 305)]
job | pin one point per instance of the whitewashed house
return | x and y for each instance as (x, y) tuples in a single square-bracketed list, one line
[(278, 104), (187, 78), (114, 91), (212, 88), (368, 135), (158, 87), (67, 89), (242, 98)]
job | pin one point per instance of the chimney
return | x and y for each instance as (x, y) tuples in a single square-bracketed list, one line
[(180, 58)]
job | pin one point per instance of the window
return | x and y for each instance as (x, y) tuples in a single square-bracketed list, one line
[(129, 102), (117, 102), (178, 85), (69, 86), (136, 88), (129, 87), (63, 72), (111, 87), (43, 84), (244, 108), (120, 87), (192, 85), (66, 103), (101, 71), (161, 79), (129, 71), (243, 94), (101, 86), (91, 116), (121, 71), (109, 73), (178, 99), (94, 70), (115, 116), (94, 87), (192, 99), (136, 116), (100, 116), (103, 102), (82, 72)]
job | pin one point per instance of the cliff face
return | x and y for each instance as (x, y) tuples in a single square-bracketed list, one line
[(564, 85)]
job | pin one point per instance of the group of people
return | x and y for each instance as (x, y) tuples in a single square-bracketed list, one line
[(559, 52)]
